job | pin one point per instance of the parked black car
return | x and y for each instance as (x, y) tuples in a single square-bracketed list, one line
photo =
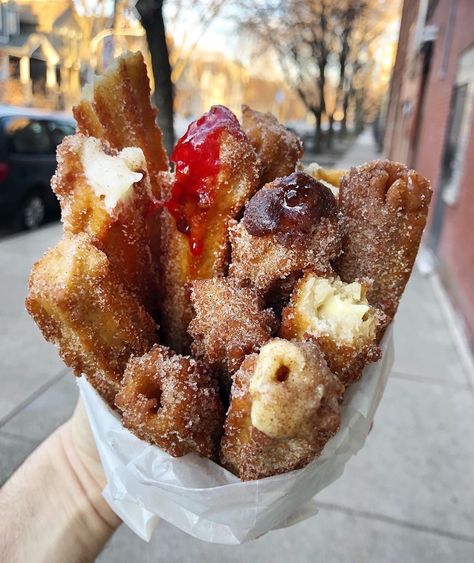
[(28, 141)]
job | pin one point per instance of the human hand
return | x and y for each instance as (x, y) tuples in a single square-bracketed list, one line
[(52, 508), (78, 433), (78, 443)]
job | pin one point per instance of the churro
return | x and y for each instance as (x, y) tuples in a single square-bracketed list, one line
[(171, 401), (229, 323), (215, 175), (288, 227), (384, 206), (80, 305), (284, 408), (106, 193), (278, 149)]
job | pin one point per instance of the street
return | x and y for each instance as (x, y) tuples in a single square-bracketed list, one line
[(407, 496)]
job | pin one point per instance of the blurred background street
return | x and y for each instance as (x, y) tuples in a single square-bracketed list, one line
[(356, 80)]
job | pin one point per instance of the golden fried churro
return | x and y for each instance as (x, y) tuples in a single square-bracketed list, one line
[(383, 213), (216, 173), (278, 149), (171, 401), (229, 324), (117, 109), (284, 408), (80, 305), (338, 317), (288, 226), (106, 194)]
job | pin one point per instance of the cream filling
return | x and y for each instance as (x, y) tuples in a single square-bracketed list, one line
[(111, 177), (329, 306), (282, 390)]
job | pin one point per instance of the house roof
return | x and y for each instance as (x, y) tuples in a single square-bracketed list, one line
[(34, 45)]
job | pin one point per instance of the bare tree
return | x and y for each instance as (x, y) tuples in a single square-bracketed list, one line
[(316, 40), (347, 15), (361, 82), (302, 34)]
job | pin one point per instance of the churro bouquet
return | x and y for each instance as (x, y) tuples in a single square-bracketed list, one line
[(223, 313)]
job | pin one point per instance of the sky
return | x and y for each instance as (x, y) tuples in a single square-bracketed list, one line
[(218, 34)]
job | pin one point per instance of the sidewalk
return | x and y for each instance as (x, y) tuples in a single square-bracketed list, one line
[(406, 497)]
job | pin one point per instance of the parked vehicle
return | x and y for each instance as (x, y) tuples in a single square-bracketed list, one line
[(28, 141)]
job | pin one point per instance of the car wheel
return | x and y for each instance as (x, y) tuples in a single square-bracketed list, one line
[(33, 212)]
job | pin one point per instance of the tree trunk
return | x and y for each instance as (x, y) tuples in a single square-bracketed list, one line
[(322, 101), (330, 137), (317, 131), (345, 108), (322, 85), (341, 97), (151, 18), (359, 117)]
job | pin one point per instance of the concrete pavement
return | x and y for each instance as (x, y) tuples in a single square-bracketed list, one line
[(407, 496)]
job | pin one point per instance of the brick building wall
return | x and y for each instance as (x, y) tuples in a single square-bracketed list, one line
[(454, 20), (397, 121), (439, 89)]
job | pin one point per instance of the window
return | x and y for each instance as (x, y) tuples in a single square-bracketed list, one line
[(58, 130), (459, 124), (27, 136), (456, 141)]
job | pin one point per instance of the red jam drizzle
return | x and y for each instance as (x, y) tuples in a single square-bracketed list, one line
[(197, 166)]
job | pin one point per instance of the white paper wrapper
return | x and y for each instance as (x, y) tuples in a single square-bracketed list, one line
[(205, 500)]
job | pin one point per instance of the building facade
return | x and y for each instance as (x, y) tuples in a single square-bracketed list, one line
[(40, 53), (48, 50), (429, 125)]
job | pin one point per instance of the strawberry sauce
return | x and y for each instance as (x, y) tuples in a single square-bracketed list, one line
[(197, 166)]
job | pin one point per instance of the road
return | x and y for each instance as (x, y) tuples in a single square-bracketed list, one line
[(407, 496)]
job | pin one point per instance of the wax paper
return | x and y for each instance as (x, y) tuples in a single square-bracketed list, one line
[(205, 500)]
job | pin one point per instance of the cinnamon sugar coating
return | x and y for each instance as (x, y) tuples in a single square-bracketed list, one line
[(81, 306), (339, 319), (289, 226), (118, 230), (172, 402), (278, 149), (229, 323), (383, 213), (284, 408)]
